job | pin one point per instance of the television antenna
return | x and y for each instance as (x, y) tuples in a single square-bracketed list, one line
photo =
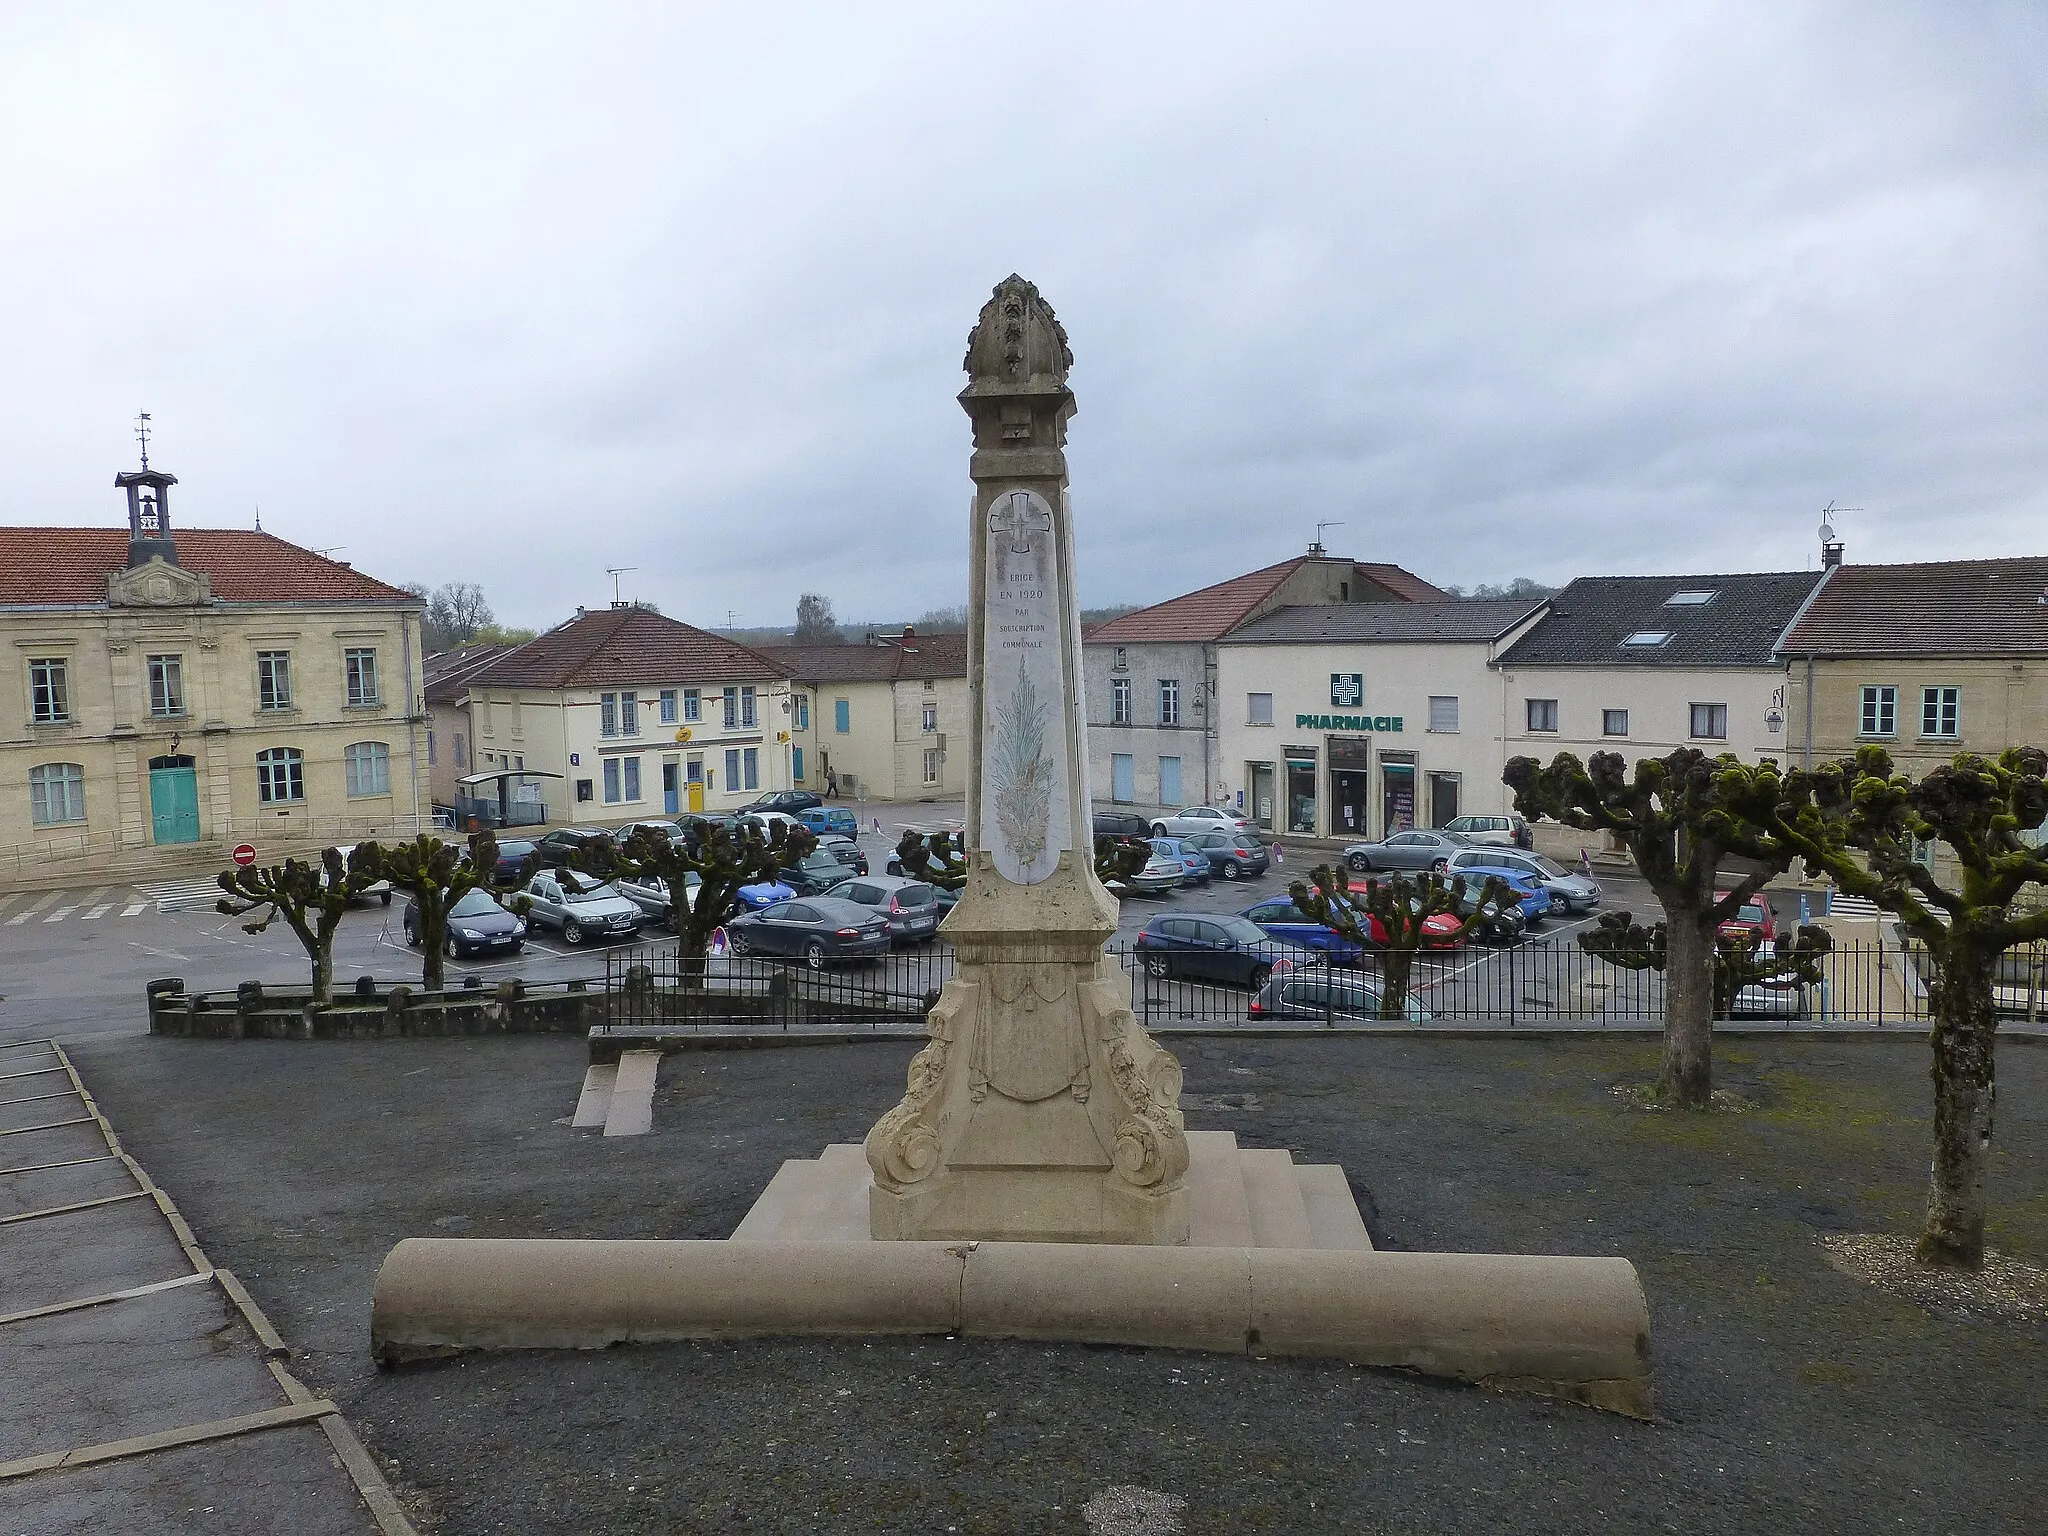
[(1328, 522), (1828, 514), (615, 572)]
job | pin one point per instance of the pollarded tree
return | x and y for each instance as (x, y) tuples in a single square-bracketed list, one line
[(1395, 919), (940, 858), (436, 875), (1674, 814), (722, 860), (311, 899), (1978, 808), (1739, 961)]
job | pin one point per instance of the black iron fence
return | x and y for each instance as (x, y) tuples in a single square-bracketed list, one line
[(1538, 982)]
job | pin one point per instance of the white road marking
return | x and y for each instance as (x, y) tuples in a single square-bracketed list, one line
[(92, 896), (98, 911), (133, 909), (28, 912), (162, 954), (60, 914)]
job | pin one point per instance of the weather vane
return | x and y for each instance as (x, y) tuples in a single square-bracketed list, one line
[(142, 432)]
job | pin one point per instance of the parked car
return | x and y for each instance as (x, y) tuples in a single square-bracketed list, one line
[(513, 867), (1163, 872), (813, 874), (1325, 995), (1530, 894), (834, 819), (1754, 918), (912, 907), (381, 890), (671, 830), (558, 847), (1279, 916), (788, 801), (820, 930), (845, 850), (477, 925), (1498, 928), (763, 893), (651, 895), (1193, 862), (580, 907), (1202, 818), (694, 824), (768, 821), (1408, 850), (1231, 855), (1218, 947), (1121, 824), (1509, 831), (1569, 890)]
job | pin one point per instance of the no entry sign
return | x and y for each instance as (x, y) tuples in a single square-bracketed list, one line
[(245, 853)]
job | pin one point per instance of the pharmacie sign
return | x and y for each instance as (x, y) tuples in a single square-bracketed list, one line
[(1386, 723)]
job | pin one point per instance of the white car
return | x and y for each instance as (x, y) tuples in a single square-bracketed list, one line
[(1202, 818), (381, 890), (1509, 831), (768, 821)]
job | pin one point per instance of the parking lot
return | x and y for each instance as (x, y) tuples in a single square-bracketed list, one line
[(75, 962)]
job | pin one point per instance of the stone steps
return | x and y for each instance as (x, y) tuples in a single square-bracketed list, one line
[(1240, 1197)]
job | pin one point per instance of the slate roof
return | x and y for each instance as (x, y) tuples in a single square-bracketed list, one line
[(617, 647), (447, 673), (1387, 623), (1937, 608), (1213, 612), (71, 565), (1589, 619), (925, 656)]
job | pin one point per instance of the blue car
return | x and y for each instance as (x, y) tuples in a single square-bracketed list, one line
[(828, 819), (1531, 895), (1192, 859), (764, 894), (1281, 918)]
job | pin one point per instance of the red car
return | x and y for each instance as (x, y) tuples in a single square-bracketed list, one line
[(1753, 919), (1443, 931)]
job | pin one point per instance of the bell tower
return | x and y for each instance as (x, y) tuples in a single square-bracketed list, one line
[(149, 506)]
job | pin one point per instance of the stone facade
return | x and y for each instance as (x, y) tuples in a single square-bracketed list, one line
[(889, 718)]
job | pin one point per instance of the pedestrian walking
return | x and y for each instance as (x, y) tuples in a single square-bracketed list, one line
[(831, 783), (1586, 862)]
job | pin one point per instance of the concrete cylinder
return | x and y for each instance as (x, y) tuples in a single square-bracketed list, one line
[(1569, 1327)]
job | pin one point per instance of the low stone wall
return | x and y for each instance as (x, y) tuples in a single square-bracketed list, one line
[(254, 1011)]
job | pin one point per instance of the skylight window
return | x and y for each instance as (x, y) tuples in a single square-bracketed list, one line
[(1648, 637), (1692, 599)]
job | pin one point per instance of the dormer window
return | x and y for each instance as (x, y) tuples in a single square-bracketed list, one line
[(1691, 599), (1647, 639)]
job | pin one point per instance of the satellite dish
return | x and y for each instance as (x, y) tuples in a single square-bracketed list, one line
[(1827, 532)]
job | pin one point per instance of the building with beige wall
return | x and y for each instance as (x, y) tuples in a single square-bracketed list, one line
[(1640, 665), (169, 695), (883, 718), (1357, 720), (447, 690), (1925, 660), (622, 714), (1150, 676)]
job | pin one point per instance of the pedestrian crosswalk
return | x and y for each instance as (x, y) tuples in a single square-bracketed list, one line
[(25, 907)]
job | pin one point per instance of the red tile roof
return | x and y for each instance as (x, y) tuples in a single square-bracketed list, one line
[(1939, 608), (622, 647), (924, 656), (71, 566), (1214, 612)]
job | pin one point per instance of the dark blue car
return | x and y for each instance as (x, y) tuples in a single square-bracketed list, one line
[(1281, 918), (1530, 893)]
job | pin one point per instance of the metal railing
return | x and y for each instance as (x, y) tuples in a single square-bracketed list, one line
[(1536, 983)]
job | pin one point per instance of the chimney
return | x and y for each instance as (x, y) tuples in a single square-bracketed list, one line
[(1831, 554)]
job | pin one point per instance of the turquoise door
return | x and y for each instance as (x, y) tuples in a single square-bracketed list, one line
[(173, 800), (796, 764)]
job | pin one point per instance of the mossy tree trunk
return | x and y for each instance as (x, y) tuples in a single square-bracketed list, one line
[(1397, 965), (1965, 1095), (430, 909), (1686, 1077)]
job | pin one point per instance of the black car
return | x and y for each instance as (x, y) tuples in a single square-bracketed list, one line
[(477, 925), (1331, 997), (912, 907), (558, 847), (1502, 926), (846, 851), (1219, 947), (813, 874), (513, 854), (787, 801), (817, 929), (1121, 824)]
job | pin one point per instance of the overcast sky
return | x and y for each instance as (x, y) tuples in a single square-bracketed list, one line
[(513, 293)]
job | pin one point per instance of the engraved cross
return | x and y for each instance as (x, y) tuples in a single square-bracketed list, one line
[(1017, 519)]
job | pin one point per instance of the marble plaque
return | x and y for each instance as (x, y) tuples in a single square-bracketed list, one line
[(1026, 817)]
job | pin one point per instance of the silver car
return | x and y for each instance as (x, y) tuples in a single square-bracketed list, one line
[(581, 908), (1202, 818), (1407, 850), (1569, 890), (1162, 872), (650, 893)]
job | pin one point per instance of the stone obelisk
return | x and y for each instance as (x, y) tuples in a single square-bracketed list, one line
[(1040, 1111)]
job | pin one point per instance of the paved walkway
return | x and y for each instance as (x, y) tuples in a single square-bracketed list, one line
[(146, 1392)]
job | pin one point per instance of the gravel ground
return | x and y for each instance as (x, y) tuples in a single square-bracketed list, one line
[(1790, 1396)]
